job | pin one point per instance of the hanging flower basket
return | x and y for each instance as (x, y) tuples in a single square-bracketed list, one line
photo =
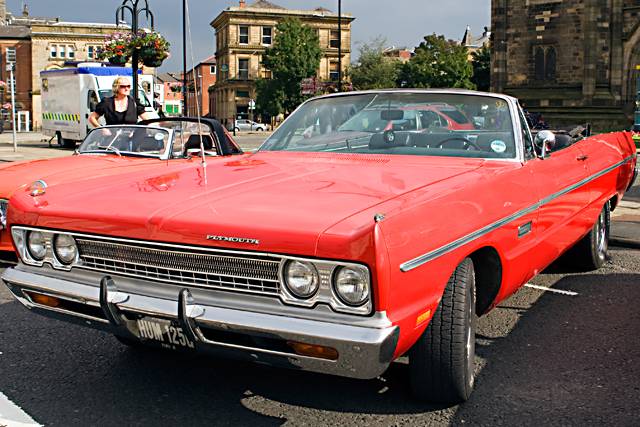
[(119, 60), (153, 49), (116, 48)]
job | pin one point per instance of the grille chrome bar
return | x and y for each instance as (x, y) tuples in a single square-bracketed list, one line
[(210, 269)]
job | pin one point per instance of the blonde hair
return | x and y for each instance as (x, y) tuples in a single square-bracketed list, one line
[(117, 82)]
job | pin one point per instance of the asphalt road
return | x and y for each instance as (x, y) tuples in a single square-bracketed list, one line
[(543, 358)]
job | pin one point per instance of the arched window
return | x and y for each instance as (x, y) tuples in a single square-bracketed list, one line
[(539, 63), (550, 64)]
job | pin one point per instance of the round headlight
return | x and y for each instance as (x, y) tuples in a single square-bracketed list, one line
[(36, 245), (351, 286), (301, 278), (65, 248)]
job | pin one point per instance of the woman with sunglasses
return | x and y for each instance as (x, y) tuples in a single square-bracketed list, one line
[(119, 109)]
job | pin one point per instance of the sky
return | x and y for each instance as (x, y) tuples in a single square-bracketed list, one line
[(403, 23)]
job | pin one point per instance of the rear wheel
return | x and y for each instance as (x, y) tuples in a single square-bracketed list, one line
[(441, 362), (591, 252)]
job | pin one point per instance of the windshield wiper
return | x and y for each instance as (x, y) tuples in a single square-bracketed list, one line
[(112, 148)]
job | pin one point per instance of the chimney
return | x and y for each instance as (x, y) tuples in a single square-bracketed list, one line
[(243, 4)]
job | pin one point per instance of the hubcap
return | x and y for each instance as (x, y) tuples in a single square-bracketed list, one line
[(602, 235)]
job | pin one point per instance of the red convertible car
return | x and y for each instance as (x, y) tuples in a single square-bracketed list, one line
[(114, 150), (334, 252)]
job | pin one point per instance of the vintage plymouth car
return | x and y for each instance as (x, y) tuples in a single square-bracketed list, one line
[(333, 248), (118, 150)]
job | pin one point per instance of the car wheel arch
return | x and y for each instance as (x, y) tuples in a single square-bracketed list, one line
[(487, 265)]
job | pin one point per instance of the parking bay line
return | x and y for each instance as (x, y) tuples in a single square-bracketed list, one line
[(12, 416), (556, 291)]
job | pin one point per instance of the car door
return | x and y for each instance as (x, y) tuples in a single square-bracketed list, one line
[(558, 180)]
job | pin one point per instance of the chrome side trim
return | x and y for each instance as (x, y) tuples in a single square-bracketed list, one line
[(429, 256)]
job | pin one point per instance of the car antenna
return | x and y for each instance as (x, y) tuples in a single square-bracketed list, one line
[(195, 87)]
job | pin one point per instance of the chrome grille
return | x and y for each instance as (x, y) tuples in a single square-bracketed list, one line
[(220, 270)]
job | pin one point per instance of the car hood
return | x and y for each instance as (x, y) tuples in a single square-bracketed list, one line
[(283, 200), (66, 169)]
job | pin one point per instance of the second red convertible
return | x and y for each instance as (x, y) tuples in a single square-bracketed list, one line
[(334, 248)]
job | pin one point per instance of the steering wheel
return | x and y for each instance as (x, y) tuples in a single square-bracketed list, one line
[(467, 142)]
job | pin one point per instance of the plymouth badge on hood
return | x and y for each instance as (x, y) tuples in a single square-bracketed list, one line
[(233, 239)]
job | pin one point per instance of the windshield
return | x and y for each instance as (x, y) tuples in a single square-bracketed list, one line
[(127, 140), (407, 123), (142, 97)]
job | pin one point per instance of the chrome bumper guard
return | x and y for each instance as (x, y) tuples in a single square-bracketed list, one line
[(363, 351)]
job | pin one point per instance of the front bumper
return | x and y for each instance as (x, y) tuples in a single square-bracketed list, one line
[(364, 350)]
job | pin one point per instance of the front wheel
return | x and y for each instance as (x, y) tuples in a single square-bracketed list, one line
[(591, 252), (441, 362)]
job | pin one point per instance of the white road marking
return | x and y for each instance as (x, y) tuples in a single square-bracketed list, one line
[(556, 291), (12, 416)]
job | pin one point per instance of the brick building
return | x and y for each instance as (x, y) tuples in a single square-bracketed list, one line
[(572, 60), (200, 82), (15, 47), (244, 32)]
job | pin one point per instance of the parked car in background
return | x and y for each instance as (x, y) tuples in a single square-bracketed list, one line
[(248, 125), (337, 249), (111, 151)]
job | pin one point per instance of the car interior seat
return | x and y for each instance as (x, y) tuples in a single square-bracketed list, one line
[(194, 142)]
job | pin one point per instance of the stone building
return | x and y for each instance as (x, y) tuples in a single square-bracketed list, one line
[(50, 43), (244, 32), (572, 60)]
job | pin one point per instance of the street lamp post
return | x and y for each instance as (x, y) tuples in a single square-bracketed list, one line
[(10, 66), (132, 7)]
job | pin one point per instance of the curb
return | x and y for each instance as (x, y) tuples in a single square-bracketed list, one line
[(624, 243)]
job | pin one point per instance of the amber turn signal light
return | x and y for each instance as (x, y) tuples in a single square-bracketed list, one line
[(44, 299), (312, 350)]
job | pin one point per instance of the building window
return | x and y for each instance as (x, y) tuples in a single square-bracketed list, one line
[(266, 35), (333, 71), (71, 52), (243, 68), (545, 58), (11, 54), (53, 51), (90, 52), (243, 34), (266, 74), (550, 64), (62, 51), (242, 93), (212, 69), (334, 38)]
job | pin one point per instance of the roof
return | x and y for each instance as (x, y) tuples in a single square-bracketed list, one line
[(14, 32), (168, 78), (96, 71), (264, 4)]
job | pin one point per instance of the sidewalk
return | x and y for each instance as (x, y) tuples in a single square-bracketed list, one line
[(31, 146), (625, 219)]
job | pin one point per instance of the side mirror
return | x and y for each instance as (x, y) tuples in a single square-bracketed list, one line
[(545, 141)]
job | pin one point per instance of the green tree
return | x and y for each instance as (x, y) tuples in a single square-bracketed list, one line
[(437, 63), (481, 63), (269, 97), (374, 70), (295, 55)]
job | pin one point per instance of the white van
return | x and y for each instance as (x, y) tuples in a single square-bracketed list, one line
[(69, 95)]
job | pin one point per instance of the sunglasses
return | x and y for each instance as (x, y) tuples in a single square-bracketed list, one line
[(125, 86)]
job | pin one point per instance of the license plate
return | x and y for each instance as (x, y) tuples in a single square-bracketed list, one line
[(164, 332)]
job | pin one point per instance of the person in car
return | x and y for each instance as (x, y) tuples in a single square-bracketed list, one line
[(119, 109)]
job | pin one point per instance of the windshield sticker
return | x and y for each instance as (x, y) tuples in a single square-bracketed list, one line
[(158, 136), (498, 146)]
